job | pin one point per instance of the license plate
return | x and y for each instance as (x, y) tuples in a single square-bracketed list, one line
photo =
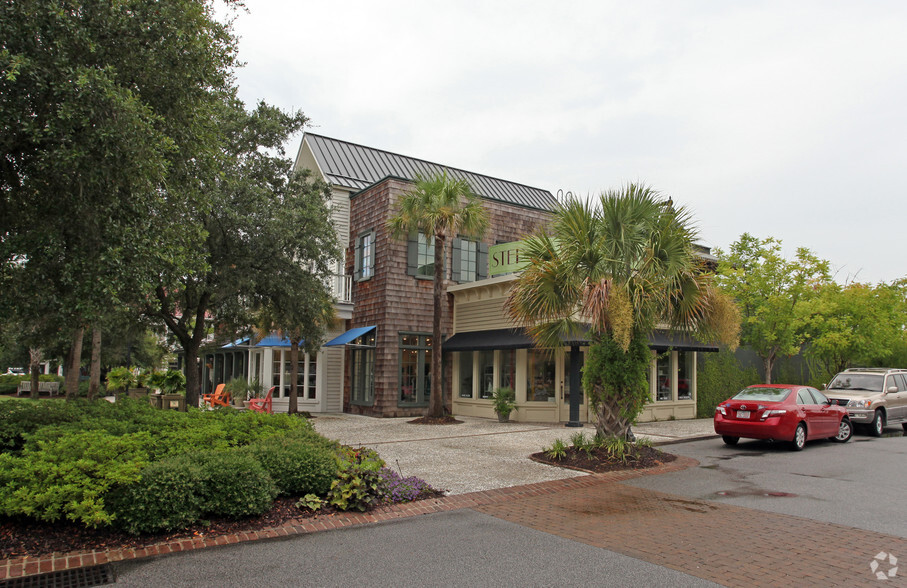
[(743, 414)]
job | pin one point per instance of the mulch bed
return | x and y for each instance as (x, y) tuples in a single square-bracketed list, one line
[(445, 420), (599, 460)]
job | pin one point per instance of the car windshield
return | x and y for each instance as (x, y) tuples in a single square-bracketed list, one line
[(868, 382), (763, 394)]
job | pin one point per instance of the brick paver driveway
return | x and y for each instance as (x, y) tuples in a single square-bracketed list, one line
[(726, 544)]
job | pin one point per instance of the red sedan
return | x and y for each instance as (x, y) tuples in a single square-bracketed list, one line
[(781, 412)]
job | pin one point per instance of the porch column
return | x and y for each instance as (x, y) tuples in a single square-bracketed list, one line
[(575, 383)]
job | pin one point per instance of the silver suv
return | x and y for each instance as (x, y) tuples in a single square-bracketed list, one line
[(874, 397)]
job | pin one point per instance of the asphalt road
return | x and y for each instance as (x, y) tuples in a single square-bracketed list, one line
[(459, 548), (861, 484)]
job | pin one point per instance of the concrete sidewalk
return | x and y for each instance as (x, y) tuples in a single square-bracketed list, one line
[(479, 454)]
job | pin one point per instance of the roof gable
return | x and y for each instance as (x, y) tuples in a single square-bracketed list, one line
[(357, 167)]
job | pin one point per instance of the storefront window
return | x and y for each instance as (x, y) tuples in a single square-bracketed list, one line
[(415, 369), (663, 376), (312, 374), (362, 369), (540, 381), (486, 374), (466, 374), (685, 375), (508, 368), (276, 364)]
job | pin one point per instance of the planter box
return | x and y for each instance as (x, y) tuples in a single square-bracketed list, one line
[(137, 393), (173, 402), (155, 400)]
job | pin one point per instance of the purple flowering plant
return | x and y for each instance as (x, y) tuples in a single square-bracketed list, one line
[(400, 489)]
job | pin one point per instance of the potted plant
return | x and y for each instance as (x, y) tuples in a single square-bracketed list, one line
[(503, 401), (171, 389), (120, 378)]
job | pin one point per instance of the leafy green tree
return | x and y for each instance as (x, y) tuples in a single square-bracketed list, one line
[(857, 324), (769, 290), (300, 309), (105, 120), (439, 207), (268, 234), (611, 270)]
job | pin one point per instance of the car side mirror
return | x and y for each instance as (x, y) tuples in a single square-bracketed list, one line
[(829, 401), (825, 386), (892, 389)]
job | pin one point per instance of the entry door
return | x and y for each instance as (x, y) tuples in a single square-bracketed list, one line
[(565, 391)]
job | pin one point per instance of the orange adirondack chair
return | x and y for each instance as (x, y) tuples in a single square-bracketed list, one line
[(219, 398), (263, 404)]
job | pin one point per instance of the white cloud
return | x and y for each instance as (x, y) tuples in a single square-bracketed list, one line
[(776, 118)]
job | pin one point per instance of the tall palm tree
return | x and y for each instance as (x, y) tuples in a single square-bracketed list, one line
[(612, 270), (438, 207)]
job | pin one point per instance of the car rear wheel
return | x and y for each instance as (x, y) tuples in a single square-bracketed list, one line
[(877, 424), (728, 440), (799, 441), (845, 431)]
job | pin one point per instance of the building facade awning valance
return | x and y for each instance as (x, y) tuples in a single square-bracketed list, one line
[(519, 339), (349, 336)]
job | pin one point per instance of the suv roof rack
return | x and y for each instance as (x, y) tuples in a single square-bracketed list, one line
[(874, 369)]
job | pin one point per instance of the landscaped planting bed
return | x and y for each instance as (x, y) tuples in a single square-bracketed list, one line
[(107, 471)]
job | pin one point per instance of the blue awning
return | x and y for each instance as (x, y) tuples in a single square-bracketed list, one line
[(349, 336), (274, 340)]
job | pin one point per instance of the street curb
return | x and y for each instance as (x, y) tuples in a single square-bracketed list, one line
[(56, 562), (686, 440)]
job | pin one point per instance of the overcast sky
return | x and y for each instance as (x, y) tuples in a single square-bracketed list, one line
[(783, 119)]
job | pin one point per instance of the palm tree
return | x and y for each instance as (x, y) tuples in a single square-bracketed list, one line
[(441, 207), (611, 270)]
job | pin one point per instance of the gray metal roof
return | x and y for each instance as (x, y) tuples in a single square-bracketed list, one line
[(358, 167)]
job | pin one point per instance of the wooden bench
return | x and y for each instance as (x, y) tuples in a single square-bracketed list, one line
[(51, 388)]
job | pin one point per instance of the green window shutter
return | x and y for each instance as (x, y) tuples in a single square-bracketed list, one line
[(455, 260), (412, 254), (357, 260), (482, 262), (374, 255)]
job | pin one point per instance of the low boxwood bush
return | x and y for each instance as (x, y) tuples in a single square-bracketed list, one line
[(182, 490), (298, 464), (234, 485), (165, 498)]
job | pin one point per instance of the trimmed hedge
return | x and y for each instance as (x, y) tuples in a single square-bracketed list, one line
[(299, 465)]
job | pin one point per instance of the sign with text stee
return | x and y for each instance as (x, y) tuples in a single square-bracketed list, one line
[(504, 258)]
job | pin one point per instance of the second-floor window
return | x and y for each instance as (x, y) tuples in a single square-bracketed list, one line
[(469, 261), (365, 256), (420, 255)]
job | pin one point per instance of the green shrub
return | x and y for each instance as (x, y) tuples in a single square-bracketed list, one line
[(359, 484), (720, 376), (298, 465), (69, 475), (19, 419), (234, 485), (166, 498)]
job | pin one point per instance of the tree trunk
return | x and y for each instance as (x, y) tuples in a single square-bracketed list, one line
[(94, 382), (609, 423), (34, 359), (436, 401), (294, 376), (193, 378), (73, 363), (768, 362)]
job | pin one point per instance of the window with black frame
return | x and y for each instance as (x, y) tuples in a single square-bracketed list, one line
[(362, 369), (415, 369)]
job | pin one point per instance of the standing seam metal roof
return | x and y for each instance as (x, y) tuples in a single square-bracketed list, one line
[(357, 167)]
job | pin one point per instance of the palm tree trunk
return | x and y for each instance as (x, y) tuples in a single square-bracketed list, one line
[(94, 382), (436, 401), (294, 375)]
